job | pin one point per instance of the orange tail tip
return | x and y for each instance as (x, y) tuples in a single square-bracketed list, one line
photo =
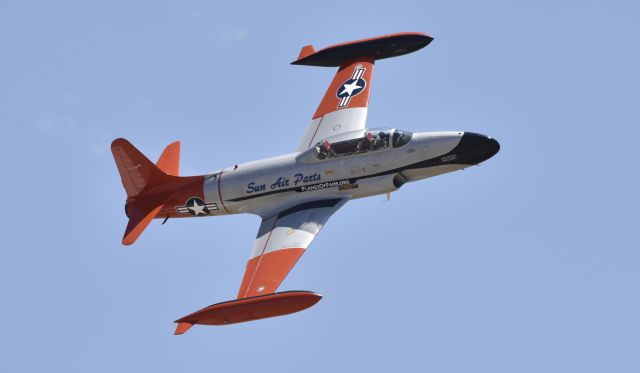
[(169, 161)]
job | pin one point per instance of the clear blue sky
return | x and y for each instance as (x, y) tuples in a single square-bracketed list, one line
[(529, 263)]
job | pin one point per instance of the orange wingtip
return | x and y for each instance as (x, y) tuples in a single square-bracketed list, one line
[(249, 309), (182, 328)]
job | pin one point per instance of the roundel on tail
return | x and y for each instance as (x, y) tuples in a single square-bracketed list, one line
[(352, 86)]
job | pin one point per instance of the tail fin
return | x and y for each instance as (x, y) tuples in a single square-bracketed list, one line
[(169, 161), (140, 177)]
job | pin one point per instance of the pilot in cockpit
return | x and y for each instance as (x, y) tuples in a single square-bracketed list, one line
[(381, 141), (366, 144), (324, 149), (321, 153), (326, 145)]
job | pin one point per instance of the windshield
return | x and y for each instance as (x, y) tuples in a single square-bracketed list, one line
[(359, 142)]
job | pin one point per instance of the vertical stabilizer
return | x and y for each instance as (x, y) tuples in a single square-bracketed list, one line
[(169, 161)]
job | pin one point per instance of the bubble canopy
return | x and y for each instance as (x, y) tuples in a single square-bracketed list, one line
[(361, 142)]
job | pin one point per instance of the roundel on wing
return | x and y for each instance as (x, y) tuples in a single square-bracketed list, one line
[(351, 88)]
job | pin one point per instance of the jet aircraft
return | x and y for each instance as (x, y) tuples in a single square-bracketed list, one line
[(338, 159)]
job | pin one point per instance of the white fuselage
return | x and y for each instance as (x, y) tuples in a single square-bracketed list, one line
[(258, 187)]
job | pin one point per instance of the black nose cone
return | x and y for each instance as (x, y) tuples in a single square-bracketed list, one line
[(475, 148)]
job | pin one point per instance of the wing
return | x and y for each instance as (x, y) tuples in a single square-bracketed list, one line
[(281, 241), (344, 106)]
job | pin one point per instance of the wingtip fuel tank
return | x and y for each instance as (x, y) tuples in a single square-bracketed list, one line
[(248, 309)]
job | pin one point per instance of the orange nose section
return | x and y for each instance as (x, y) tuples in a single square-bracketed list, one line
[(248, 309)]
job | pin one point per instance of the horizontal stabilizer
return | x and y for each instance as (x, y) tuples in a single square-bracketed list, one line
[(377, 48), (248, 309), (138, 221), (137, 172)]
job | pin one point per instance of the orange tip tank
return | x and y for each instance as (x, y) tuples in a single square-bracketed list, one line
[(248, 309)]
